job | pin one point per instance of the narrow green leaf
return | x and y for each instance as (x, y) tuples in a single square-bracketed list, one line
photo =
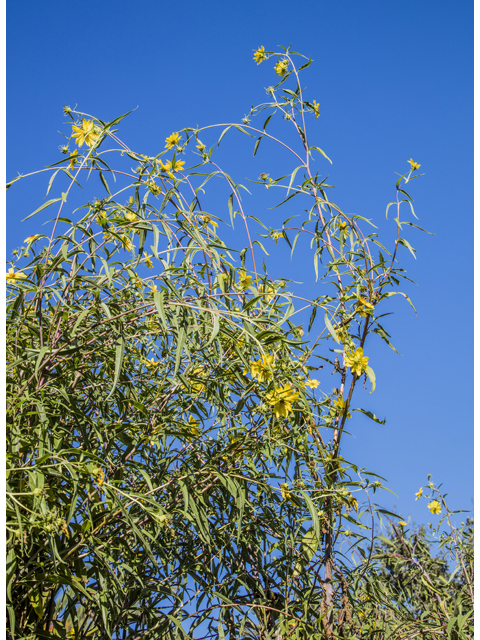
[(50, 182), (322, 152), (117, 120), (330, 328), (230, 208), (405, 243), (371, 415), (79, 320), (158, 299), (222, 134), (119, 351), (104, 182), (267, 121), (42, 352), (44, 206), (314, 515), (216, 328), (180, 344), (371, 376)]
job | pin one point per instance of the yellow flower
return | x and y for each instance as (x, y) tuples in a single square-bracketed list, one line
[(197, 386), (363, 307), (419, 494), (172, 140), (151, 364), (148, 261), (31, 239), (354, 503), (281, 67), (152, 325), (200, 146), (244, 280), (87, 133), (131, 217), (102, 217), (192, 427), (402, 523), (281, 399), (154, 187), (73, 159), (207, 220), (137, 282), (313, 384), (415, 165), (342, 333), (13, 276), (276, 235), (339, 405), (259, 55), (170, 168), (435, 507), (167, 167), (101, 476), (262, 368), (342, 225), (269, 291), (153, 286), (286, 495), (126, 242), (356, 361), (316, 109)]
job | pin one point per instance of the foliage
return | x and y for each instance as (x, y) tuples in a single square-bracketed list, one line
[(172, 468), (409, 591)]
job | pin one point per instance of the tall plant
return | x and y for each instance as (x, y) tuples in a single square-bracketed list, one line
[(173, 468)]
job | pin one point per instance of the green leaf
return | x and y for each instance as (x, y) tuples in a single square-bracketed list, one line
[(304, 66), (216, 328), (42, 352), (417, 227), (405, 243), (230, 208), (309, 544), (314, 515), (158, 299), (119, 351), (104, 182), (371, 376), (50, 182), (330, 328), (79, 321), (371, 415), (384, 335), (292, 178), (322, 152), (239, 128), (117, 120), (44, 206), (221, 632), (180, 344), (9, 184), (267, 121), (222, 134)]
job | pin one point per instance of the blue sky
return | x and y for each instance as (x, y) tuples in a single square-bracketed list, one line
[(394, 81)]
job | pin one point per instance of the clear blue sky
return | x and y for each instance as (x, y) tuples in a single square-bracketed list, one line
[(394, 81)]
